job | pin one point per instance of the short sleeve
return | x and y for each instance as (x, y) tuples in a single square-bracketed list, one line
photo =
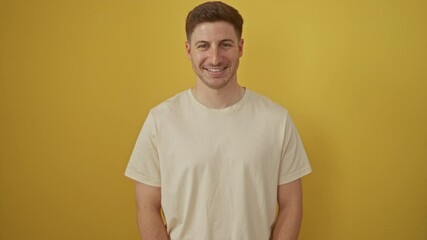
[(294, 163), (144, 165)]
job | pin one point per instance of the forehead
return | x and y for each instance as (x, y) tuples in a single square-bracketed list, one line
[(211, 31)]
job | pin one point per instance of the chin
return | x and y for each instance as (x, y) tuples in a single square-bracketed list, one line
[(217, 84)]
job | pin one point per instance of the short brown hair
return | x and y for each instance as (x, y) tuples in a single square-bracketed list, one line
[(213, 12)]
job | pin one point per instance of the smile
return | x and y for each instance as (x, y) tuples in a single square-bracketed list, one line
[(215, 70)]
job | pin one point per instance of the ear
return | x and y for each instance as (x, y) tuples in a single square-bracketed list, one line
[(188, 48), (241, 47)]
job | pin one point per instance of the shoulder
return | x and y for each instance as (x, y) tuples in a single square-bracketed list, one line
[(172, 105), (265, 105)]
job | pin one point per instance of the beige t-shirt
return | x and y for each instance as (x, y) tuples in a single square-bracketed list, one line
[(218, 169)]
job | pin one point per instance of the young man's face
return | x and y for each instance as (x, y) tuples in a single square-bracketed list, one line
[(214, 50)]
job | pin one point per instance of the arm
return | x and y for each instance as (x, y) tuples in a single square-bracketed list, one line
[(150, 223), (288, 223)]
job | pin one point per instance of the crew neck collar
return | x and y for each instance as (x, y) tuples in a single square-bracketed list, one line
[(228, 109)]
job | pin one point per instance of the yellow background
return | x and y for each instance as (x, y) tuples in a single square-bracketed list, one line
[(78, 78)]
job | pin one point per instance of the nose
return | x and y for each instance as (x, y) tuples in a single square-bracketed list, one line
[(215, 56)]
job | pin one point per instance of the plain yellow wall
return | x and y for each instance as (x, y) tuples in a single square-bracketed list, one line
[(78, 78)]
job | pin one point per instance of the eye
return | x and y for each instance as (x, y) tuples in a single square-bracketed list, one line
[(202, 46), (227, 44)]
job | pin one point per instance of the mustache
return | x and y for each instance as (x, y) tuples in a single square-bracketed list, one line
[(216, 66)]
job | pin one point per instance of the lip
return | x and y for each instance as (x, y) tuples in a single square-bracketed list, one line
[(215, 71)]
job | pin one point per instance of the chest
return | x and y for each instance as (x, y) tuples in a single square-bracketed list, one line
[(223, 145)]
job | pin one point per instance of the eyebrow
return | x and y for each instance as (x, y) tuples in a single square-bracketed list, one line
[(223, 40), (227, 40)]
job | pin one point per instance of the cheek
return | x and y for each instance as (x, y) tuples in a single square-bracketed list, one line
[(195, 61), (233, 58), (197, 58)]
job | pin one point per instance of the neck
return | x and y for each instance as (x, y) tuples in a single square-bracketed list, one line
[(218, 98)]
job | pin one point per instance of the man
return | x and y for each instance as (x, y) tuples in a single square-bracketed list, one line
[(218, 158)]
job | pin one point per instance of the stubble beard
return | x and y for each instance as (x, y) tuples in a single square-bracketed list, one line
[(214, 84)]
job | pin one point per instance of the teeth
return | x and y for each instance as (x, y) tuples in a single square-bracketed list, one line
[(215, 69)]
